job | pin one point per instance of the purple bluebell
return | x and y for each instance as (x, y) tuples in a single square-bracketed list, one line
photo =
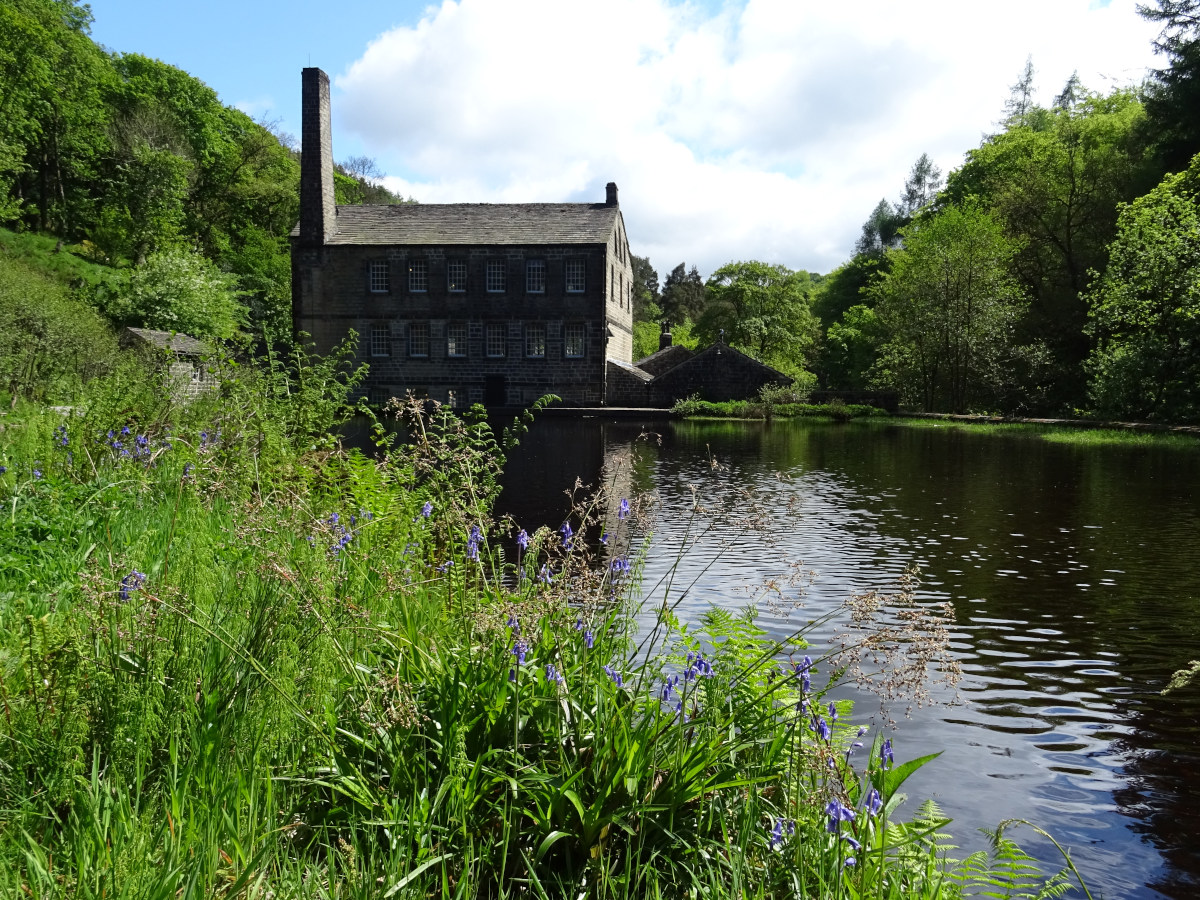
[(873, 802), (512, 674), (545, 574), (566, 532), (523, 539), (427, 509), (125, 431), (885, 753), (622, 509), (3, 469), (130, 583), (37, 474), (854, 845), (614, 675), (473, 542), (821, 727), (514, 623), (520, 648), (589, 639), (552, 674), (832, 712), (782, 828)]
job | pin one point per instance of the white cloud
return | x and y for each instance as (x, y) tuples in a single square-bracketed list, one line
[(766, 130), (257, 107)]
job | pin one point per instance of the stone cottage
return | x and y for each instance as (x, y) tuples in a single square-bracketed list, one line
[(466, 302)]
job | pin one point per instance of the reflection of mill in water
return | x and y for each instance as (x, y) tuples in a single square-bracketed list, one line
[(573, 459)]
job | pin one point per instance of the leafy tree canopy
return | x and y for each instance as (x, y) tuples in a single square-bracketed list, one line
[(763, 310), (1144, 311)]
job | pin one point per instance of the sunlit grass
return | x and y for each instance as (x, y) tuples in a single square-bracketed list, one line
[(1058, 434)]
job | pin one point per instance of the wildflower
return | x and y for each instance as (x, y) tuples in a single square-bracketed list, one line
[(620, 565), (60, 435), (523, 539), (426, 510), (850, 750), (668, 689), (203, 438), (855, 845), (614, 675), (514, 624), (520, 648), (125, 431), (546, 574), (552, 674), (333, 519), (37, 474), (837, 814), (874, 802), (589, 639), (862, 729), (3, 469), (445, 567), (783, 828), (832, 712), (821, 727), (473, 542), (850, 861), (802, 670), (566, 533), (623, 510), (512, 674), (604, 538), (130, 583), (885, 753)]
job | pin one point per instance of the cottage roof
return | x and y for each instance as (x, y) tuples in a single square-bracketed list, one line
[(173, 341), (474, 223)]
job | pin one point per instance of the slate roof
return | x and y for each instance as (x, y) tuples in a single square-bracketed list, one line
[(474, 223), (173, 341)]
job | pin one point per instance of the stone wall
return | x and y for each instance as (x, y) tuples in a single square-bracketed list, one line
[(717, 373), (334, 295)]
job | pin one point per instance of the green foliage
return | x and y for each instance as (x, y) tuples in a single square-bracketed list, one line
[(763, 310), (51, 342), (773, 406), (948, 305), (683, 295), (851, 348), (1144, 310), (1173, 93), (178, 290), (229, 664), (1054, 178), (646, 295)]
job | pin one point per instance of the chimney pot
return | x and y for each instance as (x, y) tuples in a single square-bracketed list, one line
[(610, 194)]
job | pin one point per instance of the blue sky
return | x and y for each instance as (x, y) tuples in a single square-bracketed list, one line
[(760, 129)]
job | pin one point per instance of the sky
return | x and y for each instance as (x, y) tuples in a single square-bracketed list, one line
[(756, 129)]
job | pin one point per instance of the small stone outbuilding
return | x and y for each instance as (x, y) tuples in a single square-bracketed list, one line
[(180, 358)]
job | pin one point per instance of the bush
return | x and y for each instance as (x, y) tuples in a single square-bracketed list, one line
[(51, 343)]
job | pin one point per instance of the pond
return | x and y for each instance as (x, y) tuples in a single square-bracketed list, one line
[(1073, 570)]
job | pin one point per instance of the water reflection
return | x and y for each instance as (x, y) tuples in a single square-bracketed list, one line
[(1072, 570)]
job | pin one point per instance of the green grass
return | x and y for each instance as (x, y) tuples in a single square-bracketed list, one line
[(238, 662), (1061, 434), (757, 409), (66, 263)]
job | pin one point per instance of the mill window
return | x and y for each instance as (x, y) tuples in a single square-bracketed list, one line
[(495, 339), (456, 339), (379, 280), (573, 344), (535, 340), (418, 276), (418, 339), (456, 276), (495, 276), (381, 340), (535, 276), (575, 276)]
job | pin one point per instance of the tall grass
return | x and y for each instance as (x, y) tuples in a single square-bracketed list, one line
[(239, 661)]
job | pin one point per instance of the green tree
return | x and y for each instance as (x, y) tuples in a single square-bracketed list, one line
[(851, 348), (1144, 311), (1054, 178), (763, 310), (948, 305), (646, 295), (1173, 93), (177, 290), (683, 295)]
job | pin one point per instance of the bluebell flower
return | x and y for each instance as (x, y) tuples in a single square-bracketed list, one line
[(614, 675), (203, 438), (620, 565), (427, 509), (3, 469), (552, 674), (37, 474), (523, 539), (855, 845), (125, 431), (589, 639), (837, 814), (873, 802), (130, 583), (622, 509), (850, 750), (850, 861), (566, 533), (803, 668), (473, 542), (512, 674), (604, 538), (782, 828), (545, 574), (885, 753), (445, 567), (513, 623), (821, 727), (520, 648), (832, 712), (187, 469), (60, 435)]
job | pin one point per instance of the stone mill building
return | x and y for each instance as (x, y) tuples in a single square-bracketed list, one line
[(464, 302)]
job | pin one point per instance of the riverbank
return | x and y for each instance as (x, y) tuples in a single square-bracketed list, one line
[(241, 661)]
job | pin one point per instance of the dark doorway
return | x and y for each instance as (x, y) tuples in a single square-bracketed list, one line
[(494, 391)]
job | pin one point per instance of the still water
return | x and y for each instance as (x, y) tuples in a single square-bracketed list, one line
[(1074, 572)]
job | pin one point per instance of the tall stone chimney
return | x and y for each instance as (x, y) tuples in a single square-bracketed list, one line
[(318, 208), (610, 194)]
